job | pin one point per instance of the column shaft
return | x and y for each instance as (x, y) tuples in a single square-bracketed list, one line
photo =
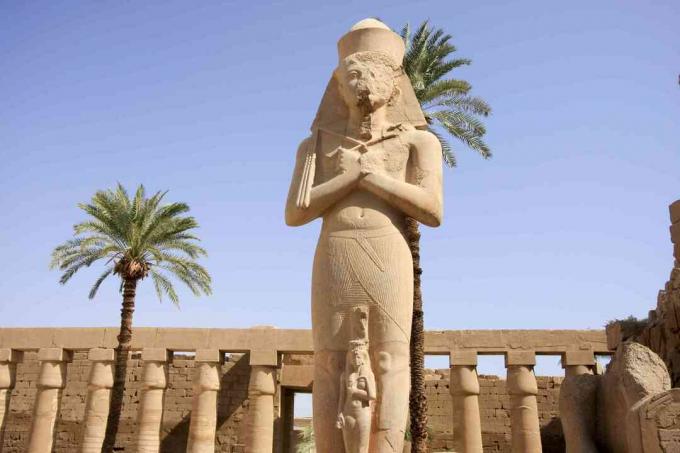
[(261, 392), (203, 422), (7, 376), (464, 388), (51, 381), (522, 387), (98, 399), (151, 404)]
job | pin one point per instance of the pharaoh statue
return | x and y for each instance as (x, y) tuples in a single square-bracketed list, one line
[(366, 166)]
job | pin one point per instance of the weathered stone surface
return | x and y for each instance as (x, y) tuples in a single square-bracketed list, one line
[(634, 373), (614, 412), (674, 209), (364, 169), (578, 404)]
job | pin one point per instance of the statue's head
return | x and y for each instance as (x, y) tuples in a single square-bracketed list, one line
[(367, 80), (357, 355), (369, 63), (369, 76)]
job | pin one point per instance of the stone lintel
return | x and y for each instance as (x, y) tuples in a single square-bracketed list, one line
[(53, 355), (524, 358), (101, 355), (8, 355), (208, 355), (674, 209), (155, 354), (582, 357), (297, 376), (675, 233), (268, 357), (463, 358)]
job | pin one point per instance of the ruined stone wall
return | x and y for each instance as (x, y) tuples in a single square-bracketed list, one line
[(660, 332), (494, 406)]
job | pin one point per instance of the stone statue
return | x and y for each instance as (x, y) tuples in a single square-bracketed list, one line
[(357, 390), (365, 167)]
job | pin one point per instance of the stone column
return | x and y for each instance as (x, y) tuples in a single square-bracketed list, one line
[(51, 381), (151, 404), (98, 399), (8, 360), (522, 388), (464, 387), (579, 362), (261, 390), (204, 407)]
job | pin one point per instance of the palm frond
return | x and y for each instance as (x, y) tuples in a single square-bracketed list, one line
[(97, 284), (446, 102), (136, 236)]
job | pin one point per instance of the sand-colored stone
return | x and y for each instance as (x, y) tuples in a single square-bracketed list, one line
[(464, 387), (151, 405), (295, 350), (365, 167), (50, 383), (630, 409), (576, 363), (522, 388), (8, 359), (261, 391), (674, 210), (203, 422), (295, 340), (98, 399)]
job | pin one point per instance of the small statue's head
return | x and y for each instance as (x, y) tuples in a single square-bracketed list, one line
[(367, 80), (357, 355)]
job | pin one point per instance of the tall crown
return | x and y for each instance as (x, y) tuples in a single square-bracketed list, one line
[(372, 35)]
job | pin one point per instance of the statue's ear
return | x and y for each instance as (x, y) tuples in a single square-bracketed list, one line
[(396, 93)]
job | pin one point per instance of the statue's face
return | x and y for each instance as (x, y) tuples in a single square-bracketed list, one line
[(366, 81), (357, 358)]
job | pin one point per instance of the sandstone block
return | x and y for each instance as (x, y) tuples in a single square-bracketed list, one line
[(524, 358), (463, 358), (155, 355), (674, 209), (264, 357), (53, 355), (580, 357), (208, 355), (101, 355)]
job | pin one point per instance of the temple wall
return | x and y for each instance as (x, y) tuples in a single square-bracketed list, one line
[(494, 405), (243, 348)]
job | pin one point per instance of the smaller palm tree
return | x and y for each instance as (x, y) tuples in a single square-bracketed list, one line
[(446, 103), (135, 237)]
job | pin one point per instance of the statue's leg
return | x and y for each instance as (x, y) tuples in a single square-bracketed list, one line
[(327, 371), (391, 365)]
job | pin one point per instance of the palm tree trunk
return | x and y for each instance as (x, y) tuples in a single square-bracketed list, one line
[(122, 353), (417, 398)]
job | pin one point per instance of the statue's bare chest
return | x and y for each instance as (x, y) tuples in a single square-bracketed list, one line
[(389, 156)]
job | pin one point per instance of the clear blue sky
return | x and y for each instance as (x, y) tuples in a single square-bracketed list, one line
[(566, 227)]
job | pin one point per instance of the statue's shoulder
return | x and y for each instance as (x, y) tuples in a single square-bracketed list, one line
[(422, 140), (304, 146)]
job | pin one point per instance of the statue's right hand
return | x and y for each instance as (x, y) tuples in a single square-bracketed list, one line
[(348, 162)]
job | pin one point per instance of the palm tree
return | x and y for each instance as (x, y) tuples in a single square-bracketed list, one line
[(135, 238), (449, 109)]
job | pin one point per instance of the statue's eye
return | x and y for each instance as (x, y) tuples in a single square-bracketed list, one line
[(351, 75)]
